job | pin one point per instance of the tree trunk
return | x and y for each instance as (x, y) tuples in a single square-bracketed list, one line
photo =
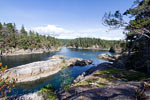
[(0, 52), (148, 56)]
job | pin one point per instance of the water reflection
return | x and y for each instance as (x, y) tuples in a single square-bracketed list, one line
[(12, 61)]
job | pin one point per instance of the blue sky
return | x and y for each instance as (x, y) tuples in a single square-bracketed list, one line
[(63, 18)]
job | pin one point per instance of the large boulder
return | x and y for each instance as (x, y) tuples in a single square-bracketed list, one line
[(78, 62), (83, 62)]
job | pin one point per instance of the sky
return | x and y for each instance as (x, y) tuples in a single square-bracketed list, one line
[(64, 19)]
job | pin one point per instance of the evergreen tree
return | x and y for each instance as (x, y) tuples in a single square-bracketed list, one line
[(10, 38), (138, 35)]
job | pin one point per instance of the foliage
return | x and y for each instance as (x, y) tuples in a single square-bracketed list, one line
[(6, 84), (49, 92), (112, 50), (64, 41), (67, 87), (98, 43), (65, 79), (10, 37), (137, 32), (64, 61), (130, 75)]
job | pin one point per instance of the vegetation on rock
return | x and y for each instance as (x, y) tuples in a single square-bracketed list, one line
[(112, 76), (49, 92)]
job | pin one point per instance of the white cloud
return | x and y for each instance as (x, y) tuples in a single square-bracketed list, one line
[(59, 32), (50, 30)]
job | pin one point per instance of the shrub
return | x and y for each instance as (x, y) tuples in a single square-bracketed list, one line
[(6, 84)]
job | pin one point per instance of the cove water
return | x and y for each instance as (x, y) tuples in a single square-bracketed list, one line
[(58, 79)]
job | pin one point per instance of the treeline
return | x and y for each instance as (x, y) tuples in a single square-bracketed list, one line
[(95, 43), (64, 41), (10, 37)]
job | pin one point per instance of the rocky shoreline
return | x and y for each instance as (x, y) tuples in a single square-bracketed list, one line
[(118, 51), (115, 89), (105, 81), (90, 48), (36, 70), (17, 51)]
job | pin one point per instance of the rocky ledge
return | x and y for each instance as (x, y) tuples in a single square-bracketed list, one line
[(41, 69), (123, 91), (105, 82)]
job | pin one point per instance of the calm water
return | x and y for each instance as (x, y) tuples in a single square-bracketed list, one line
[(56, 80)]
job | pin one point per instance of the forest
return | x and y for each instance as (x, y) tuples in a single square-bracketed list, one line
[(10, 37), (96, 43)]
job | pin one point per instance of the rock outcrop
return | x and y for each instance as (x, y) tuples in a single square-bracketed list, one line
[(40, 69), (118, 61), (87, 73), (104, 82), (124, 91), (106, 57)]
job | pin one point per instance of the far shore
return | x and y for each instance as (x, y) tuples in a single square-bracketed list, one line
[(91, 48), (17, 52)]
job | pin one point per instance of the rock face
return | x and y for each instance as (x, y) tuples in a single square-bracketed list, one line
[(37, 70), (98, 83), (122, 91)]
